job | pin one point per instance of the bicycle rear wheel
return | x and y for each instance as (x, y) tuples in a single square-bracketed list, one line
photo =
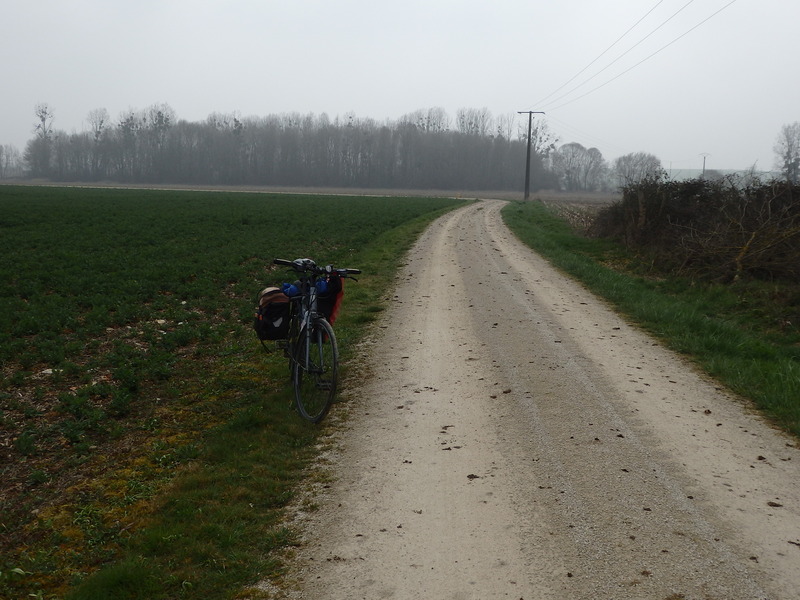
[(315, 381)]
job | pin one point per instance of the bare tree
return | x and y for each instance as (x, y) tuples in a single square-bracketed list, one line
[(543, 141), (506, 125), (9, 162), (98, 120), (569, 164), (39, 150), (474, 121), (437, 120), (44, 116), (579, 168), (228, 122), (415, 118), (157, 120), (127, 155), (635, 167), (787, 151), (594, 170)]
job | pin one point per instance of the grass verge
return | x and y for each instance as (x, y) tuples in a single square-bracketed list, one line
[(744, 335)]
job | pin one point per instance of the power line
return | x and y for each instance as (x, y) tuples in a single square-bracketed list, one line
[(574, 77), (613, 62), (579, 134), (664, 47)]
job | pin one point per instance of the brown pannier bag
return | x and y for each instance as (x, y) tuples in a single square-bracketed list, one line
[(272, 315)]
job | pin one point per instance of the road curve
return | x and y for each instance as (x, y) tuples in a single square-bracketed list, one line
[(514, 438)]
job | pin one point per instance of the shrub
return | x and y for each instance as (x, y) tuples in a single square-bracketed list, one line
[(712, 229)]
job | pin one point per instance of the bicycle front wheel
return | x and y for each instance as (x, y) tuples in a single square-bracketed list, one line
[(316, 371)]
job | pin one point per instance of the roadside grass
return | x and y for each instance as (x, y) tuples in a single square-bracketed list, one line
[(746, 335), (148, 444)]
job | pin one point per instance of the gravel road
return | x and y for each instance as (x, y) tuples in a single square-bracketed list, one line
[(517, 439)]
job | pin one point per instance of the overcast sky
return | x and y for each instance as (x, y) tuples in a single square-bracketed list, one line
[(723, 89)]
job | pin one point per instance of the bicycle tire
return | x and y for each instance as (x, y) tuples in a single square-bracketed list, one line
[(315, 386)]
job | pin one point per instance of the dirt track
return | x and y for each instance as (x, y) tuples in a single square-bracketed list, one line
[(517, 439)]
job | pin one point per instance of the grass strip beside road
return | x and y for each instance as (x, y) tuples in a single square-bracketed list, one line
[(741, 334)]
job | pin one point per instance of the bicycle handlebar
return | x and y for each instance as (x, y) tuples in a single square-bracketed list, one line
[(306, 265)]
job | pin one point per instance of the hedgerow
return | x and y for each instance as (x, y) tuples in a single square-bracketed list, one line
[(722, 230)]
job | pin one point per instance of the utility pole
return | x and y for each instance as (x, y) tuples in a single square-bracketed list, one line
[(530, 114), (704, 154)]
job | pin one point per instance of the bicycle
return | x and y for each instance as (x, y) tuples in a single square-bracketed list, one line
[(311, 342)]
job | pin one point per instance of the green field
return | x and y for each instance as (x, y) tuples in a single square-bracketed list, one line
[(141, 424)]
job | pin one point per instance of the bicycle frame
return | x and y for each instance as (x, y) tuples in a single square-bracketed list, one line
[(308, 312)]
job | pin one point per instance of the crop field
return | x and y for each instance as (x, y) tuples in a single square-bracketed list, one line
[(127, 359)]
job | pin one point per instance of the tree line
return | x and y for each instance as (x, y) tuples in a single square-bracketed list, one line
[(424, 149)]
